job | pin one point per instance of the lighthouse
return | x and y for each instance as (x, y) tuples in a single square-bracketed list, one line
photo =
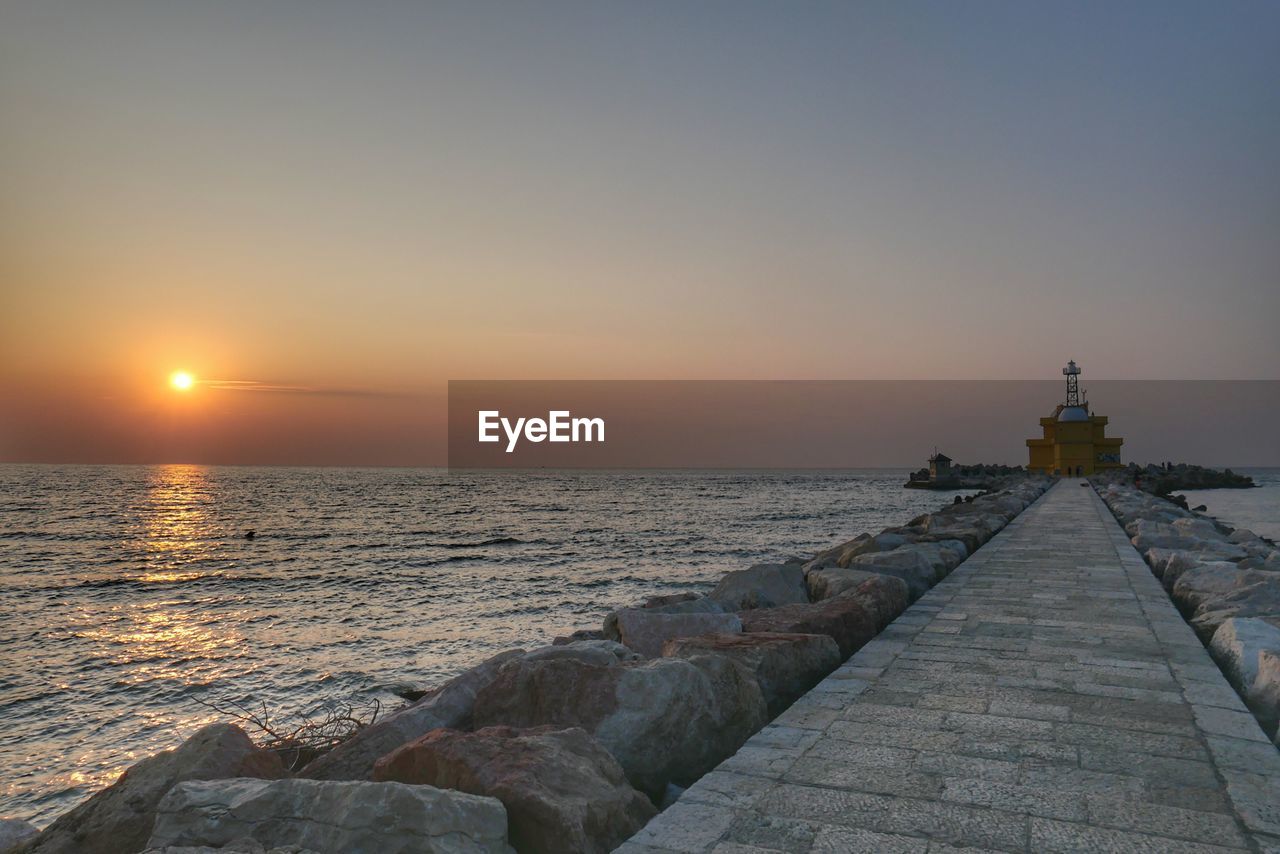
[(1075, 441)]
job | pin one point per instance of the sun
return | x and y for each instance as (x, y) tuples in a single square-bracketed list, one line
[(181, 380)]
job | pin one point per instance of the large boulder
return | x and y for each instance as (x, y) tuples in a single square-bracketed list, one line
[(118, 819), (1212, 549), (765, 585), (330, 817), (1245, 537), (1264, 696), (1132, 512), (665, 720), (1149, 529), (13, 831), (844, 553), (919, 568), (446, 706), (971, 527), (646, 631), (847, 621), (603, 652), (1254, 594), (785, 665), (1169, 564), (1180, 562), (1237, 645), (883, 596), (1204, 529), (1005, 503), (831, 581), (1205, 582), (675, 604), (562, 790), (948, 553)]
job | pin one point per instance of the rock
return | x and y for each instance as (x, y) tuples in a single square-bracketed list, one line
[(1150, 513), (678, 604), (645, 631), (784, 665), (1243, 537), (13, 831), (887, 541), (845, 620), (1255, 594), (1248, 651), (845, 551), (831, 581), (236, 846), (914, 566), (1264, 696), (971, 529), (670, 795), (664, 720), (604, 652), (446, 706), (335, 816), (1178, 564), (1203, 529), (1143, 527), (561, 789), (670, 599), (119, 818), (1204, 582), (948, 553), (843, 554), (884, 597), (1211, 549), (1160, 561), (764, 585), (578, 635), (1236, 645), (411, 691), (1010, 504)]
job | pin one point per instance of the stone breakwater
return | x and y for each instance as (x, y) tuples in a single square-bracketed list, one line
[(1225, 581), (1164, 479), (569, 747)]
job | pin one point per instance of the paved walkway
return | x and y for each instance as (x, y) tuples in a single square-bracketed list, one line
[(1045, 697)]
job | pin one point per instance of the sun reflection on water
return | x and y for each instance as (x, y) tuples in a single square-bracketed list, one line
[(171, 639), (177, 524)]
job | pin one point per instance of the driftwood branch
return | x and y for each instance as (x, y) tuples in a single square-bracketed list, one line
[(316, 733)]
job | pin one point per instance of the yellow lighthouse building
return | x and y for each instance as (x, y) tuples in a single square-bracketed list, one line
[(1074, 442)]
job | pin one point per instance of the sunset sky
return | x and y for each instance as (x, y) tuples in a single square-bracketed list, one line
[(324, 211)]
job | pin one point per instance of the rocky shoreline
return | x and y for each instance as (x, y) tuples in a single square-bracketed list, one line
[(1162, 480), (569, 747), (1225, 581)]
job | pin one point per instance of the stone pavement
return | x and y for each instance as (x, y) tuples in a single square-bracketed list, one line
[(1046, 696)]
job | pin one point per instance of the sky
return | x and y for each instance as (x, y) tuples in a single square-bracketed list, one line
[(338, 207)]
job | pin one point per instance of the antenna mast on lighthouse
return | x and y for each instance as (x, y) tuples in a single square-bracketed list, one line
[(1072, 373)]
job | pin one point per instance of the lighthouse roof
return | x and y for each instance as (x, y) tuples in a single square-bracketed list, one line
[(1073, 413)]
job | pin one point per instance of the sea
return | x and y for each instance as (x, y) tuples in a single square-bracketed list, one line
[(1257, 509), (132, 597)]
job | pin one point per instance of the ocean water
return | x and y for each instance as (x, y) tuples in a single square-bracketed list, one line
[(130, 592), (1256, 509)]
